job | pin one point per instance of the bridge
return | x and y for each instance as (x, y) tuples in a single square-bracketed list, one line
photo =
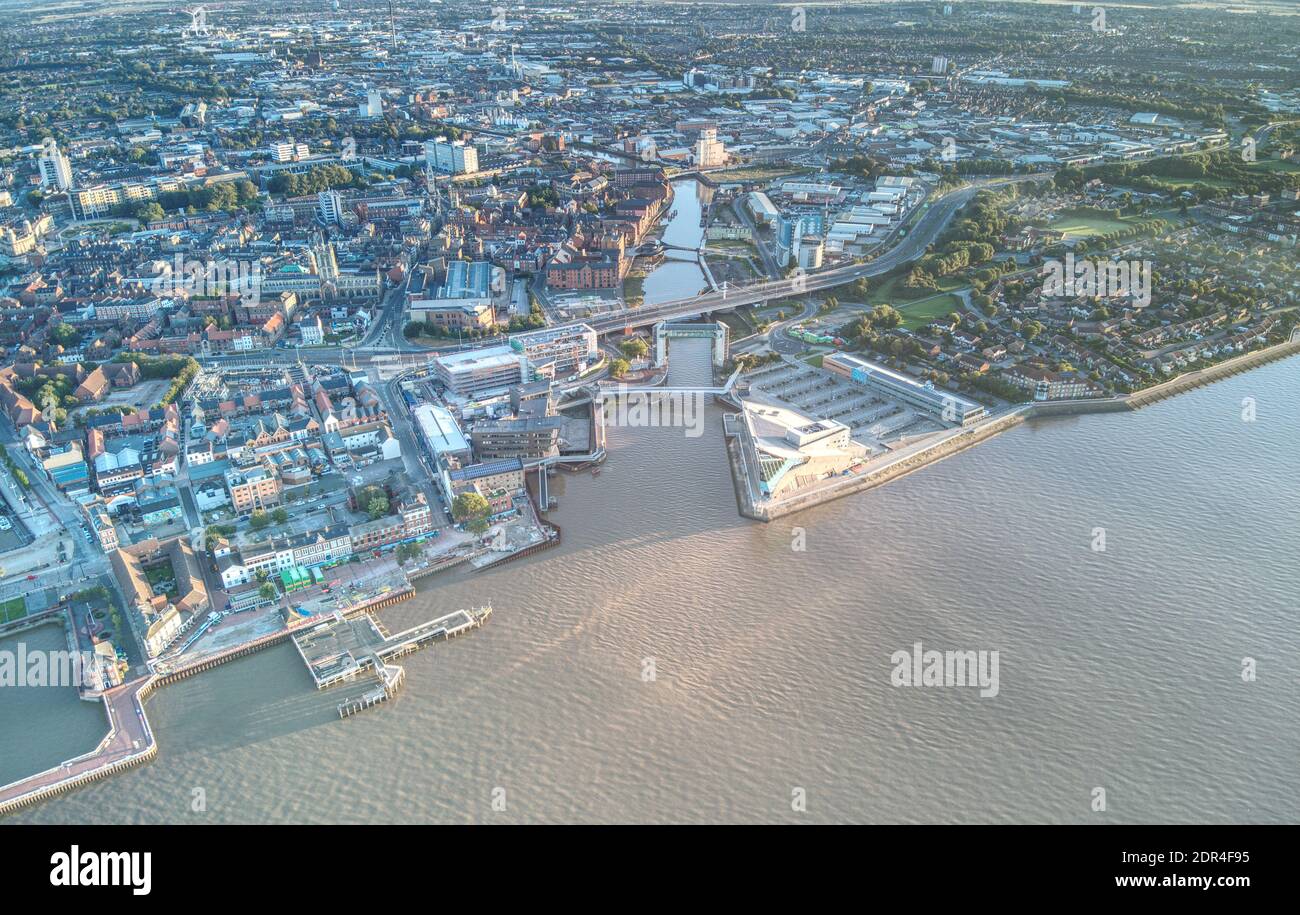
[(668, 247), (613, 390), (913, 246)]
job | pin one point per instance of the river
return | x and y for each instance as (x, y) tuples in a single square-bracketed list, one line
[(771, 666), (680, 276)]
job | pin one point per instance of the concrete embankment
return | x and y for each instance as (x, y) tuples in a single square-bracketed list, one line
[(130, 740), (129, 743), (1214, 373), (953, 443), (846, 486)]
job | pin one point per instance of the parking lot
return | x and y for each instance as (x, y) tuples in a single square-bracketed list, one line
[(877, 421)]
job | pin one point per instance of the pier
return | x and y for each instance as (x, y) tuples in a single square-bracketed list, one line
[(130, 740), (342, 649)]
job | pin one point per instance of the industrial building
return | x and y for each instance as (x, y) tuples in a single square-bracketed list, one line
[(921, 394)]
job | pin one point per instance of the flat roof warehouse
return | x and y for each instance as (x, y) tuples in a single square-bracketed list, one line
[(943, 404)]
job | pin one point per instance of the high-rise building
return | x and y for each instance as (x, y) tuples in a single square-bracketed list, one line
[(330, 205), (811, 249), (709, 150), (452, 158), (373, 106), (55, 168)]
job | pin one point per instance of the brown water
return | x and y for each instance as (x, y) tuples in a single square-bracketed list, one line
[(1118, 669)]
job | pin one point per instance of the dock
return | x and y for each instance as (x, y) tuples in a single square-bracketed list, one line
[(342, 649)]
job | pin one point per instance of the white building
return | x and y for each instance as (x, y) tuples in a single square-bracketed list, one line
[(452, 158), (709, 150), (811, 249), (373, 106), (790, 451), (55, 168)]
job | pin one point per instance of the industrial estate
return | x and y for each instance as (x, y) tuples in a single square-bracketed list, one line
[(302, 305)]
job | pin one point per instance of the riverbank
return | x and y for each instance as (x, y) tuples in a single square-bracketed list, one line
[(130, 740), (957, 440)]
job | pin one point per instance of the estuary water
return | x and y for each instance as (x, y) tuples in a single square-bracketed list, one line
[(674, 662)]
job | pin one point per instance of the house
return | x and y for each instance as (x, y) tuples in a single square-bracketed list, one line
[(93, 389)]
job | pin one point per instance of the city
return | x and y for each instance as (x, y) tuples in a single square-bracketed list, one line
[(354, 327)]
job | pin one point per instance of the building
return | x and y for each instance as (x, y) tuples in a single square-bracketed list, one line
[(570, 348), (156, 619), (493, 475), (373, 106), (257, 487), (790, 451), (709, 151), (442, 434), (451, 157), (942, 405), (412, 521), (56, 170), (811, 251), (529, 438), (463, 301), (478, 371), (1043, 384)]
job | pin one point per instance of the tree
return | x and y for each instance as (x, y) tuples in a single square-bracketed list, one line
[(408, 551), (259, 520), (886, 317), (279, 516), (634, 348), (267, 591), (619, 367), (377, 507), (472, 510)]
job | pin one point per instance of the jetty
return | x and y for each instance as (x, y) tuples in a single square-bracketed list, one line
[(342, 649)]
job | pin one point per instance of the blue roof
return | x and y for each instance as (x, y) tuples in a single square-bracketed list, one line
[(491, 468)]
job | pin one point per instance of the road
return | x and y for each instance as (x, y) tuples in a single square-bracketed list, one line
[(384, 345), (913, 245)]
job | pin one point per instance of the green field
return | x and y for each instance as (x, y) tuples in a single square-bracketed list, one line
[(756, 173), (12, 609), (920, 313), (1277, 165), (891, 292), (1080, 225)]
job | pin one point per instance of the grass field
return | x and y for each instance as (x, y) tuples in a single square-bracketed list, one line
[(12, 610), (1277, 165), (891, 292), (756, 173), (922, 312), (1078, 225)]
